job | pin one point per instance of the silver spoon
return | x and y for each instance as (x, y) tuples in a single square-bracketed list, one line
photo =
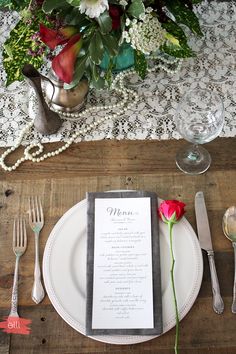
[(229, 229)]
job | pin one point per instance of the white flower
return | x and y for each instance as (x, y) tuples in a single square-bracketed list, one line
[(142, 16), (123, 3), (93, 8), (127, 22), (149, 10), (147, 35)]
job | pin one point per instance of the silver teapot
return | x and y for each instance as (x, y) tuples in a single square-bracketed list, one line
[(70, 100)]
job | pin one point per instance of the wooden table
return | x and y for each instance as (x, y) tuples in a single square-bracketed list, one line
[(98, 166)]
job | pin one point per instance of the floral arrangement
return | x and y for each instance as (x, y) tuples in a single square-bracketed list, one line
[(84, 38), (171, 211)]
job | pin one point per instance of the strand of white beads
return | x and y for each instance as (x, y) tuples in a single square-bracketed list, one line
[(130, 95), (162, 61), (130, 98)]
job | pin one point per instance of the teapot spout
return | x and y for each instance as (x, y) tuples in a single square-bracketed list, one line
[(46, 121)]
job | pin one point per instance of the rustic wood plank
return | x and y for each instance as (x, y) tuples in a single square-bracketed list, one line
[(61, 194), (4, 338), (110, 157), (109, 165), (198, 330)]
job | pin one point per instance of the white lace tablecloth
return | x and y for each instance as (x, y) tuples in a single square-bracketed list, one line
[(152, 118)]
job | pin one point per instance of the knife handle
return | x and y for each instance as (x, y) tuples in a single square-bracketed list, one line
[(234, 291), (218, 304)]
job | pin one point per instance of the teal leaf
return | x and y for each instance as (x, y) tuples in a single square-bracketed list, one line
[(50, 5), (136, 8), (105, 22), (96, 48)]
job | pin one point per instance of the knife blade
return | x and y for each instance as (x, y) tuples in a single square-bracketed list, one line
[(204, 235)]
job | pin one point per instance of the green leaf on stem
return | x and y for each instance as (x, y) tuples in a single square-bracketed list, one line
[(111, 44), (50, 5), (184, 15), (136, 8), (140, 64), (74, 17), (74, 3), (176, 44), (105, 22), (96, 48)]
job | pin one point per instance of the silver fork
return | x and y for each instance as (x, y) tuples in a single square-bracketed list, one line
[(36, 221), (19, 247)]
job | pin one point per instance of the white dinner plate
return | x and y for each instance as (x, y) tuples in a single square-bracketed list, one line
[(64, 271)]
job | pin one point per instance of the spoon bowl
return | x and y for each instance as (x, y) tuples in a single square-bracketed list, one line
[(229, 229), (229, 223)]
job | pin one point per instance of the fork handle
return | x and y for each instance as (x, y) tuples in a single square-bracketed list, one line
[(14, 297), (38, 290)]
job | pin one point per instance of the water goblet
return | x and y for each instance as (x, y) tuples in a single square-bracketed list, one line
[(199, 119)]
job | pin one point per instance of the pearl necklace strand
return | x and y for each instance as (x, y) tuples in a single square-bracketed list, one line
[(130, 98)]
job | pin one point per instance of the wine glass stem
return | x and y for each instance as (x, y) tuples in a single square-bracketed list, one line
[(194, 154)]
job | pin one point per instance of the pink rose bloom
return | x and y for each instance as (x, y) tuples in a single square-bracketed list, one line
[(171, 210)]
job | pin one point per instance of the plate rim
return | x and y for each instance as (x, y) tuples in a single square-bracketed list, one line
[(116, 339)]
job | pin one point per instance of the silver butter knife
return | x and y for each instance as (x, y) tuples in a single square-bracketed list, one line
[(204, 235)]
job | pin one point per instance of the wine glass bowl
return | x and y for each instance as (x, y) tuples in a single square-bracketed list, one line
[(199, 119)]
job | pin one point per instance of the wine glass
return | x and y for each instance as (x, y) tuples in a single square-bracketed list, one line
[(199, 119)]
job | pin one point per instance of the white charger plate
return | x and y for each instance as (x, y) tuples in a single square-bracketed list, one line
[(64, 272)]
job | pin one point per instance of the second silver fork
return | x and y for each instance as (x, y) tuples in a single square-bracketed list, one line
[(36, 221), (19, 247)]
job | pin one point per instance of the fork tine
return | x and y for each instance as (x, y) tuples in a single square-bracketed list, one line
[(30, 210), (41, 211), (17, 232), (20, 232), (14, 233), (37, 208), (24, 234)]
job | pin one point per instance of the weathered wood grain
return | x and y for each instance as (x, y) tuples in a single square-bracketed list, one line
[(109, 165), (201, 331), (111, 157)]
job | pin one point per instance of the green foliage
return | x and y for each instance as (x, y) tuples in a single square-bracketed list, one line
[(180, 50), (105, 22), (75, 18), (184, 15), (75, 3), (140, 64), (136, 8), (17, 46), (99, 39), (50, 5), (14, 5), (111, 44), (96, 48)]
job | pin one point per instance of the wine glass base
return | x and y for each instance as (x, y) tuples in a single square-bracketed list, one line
[(193, 160)]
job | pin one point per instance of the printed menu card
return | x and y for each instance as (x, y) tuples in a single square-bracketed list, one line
[(123, 264)]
